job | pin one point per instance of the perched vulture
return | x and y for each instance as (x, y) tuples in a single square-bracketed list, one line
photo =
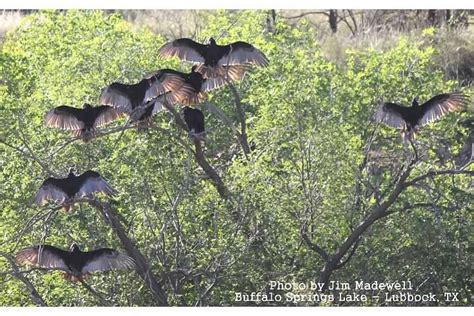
[(127, 98), (74, 263), (408, 119), (194, 119), (83, 122), (213, 59), (64, 190)]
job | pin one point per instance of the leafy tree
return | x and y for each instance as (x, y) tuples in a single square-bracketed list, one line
[(293, 165)]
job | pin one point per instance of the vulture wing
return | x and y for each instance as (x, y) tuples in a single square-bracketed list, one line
[(185, 49), (243, 53), (65, 117), (91, 182), (391, 115), (226, 73), (104, 114), (184, 92), (43, 256), (105, 259), (51, 190), (117, 96), (164, 80), (442, 104)]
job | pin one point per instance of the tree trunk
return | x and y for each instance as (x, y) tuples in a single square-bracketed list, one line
[(333, 20)]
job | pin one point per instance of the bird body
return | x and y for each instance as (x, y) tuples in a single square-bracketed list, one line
[(409, 119), (132, 97), (83, 122), (75, 264), (192, 92), (194, 119), (65, 190)]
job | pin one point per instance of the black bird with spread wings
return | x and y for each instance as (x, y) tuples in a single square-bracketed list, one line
[(83, 122), (408, 119), (65, 190), (216, 60), (194, 119), (128, 97), (75, 264)]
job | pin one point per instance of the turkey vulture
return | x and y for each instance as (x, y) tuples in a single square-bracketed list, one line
[(75, 264), (82, 121), (64, 190), (128, 97), (194, 119), (408, 119), (212, 58)]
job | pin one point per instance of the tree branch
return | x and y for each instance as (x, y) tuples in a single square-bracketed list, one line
[(143, 267), (314, 246), (378, 212), (200, 157), (343, 263), (241, 113), (305, 14), (31, 156), (434, 173), (103, 301), (34, 295)]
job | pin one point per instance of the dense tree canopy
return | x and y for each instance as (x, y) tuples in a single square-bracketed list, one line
[(303, 168)]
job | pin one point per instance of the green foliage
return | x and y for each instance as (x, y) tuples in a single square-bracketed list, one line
[(311, 127)]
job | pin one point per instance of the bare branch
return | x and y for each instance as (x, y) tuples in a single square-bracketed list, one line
[(343, 263), (434, 173), (97, 295), (34, 295), (32, 156), (305, 14), (241, 113), (143, 267), (314, 246), (200, 158)]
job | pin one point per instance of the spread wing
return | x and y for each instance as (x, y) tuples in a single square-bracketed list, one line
[(184, 91), (105, 114), (230, 73), (43, 256), (391, 115), (195, 98), (105, 259), (441, 105), (65, 117), (91, 182), (128, 97), (164, 80), (243, 53), (185, 49), (51, 190), (117, 96)]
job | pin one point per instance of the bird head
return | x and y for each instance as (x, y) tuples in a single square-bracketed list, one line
[(414, 102), (86, 106), (212, 41), (74, 247), (72, 170)]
